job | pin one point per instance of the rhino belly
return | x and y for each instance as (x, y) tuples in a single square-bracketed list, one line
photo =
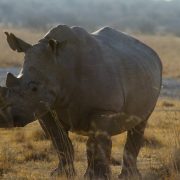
[(121, 114), (111, 123)]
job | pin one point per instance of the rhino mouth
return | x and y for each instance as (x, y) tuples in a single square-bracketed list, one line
[(18, 121), (6, 120)]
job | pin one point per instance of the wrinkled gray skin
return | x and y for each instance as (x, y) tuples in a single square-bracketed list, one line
[(99, 85)]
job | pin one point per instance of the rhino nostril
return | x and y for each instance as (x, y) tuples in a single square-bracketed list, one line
[(6, 106), (16, 120), (6, 116)]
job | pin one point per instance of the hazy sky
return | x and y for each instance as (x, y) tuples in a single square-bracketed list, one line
[(134, 15)]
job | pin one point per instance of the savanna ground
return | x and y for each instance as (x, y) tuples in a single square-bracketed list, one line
[(25, 153)]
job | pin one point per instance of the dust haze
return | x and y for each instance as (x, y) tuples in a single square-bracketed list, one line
[(150, 16)]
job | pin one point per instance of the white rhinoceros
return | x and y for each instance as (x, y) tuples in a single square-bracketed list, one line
[(97, 85)]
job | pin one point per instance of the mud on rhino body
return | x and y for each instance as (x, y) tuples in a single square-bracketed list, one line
[(98, 85)]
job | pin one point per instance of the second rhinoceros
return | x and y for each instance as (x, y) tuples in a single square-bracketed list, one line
[(98, 85)]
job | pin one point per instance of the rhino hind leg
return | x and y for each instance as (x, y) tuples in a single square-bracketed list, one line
[(98, 156), (62, 145), (131, 150)]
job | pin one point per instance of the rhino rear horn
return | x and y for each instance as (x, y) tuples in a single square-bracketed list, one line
[(17, 44), (11, 80)]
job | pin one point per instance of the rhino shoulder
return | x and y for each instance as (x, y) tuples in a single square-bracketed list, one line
[(110, 32), (125, 41), (84, 36), (104, 30)]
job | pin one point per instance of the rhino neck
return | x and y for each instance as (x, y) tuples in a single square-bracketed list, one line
[(68, 83), (67, 104), (63, 99)]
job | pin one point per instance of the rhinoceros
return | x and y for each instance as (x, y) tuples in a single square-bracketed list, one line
[(97, 85)]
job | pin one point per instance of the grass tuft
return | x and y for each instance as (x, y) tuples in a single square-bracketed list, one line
[(38, 135), (33, 155), (151, 142), (175, 159), (19, 137), (7, 158)]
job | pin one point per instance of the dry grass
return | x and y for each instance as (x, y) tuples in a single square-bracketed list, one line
[(166, 46), (38, 134), (24, 154), (19, 137), (6, 158)]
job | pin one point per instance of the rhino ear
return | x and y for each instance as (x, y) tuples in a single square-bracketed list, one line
[(11, 80), (17, 44), (53, 44)]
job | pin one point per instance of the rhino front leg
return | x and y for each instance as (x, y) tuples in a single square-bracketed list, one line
[(62, 144), (99, 147), (131, 151), (98, 156)]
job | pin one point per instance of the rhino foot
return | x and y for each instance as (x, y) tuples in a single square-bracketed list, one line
[(100, 174), (127, 175), (66, 171)]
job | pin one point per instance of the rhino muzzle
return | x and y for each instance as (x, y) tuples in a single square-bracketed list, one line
[(6, 119)]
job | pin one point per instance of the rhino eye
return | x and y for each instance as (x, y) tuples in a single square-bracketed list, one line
[(33, 86), (34, 89)]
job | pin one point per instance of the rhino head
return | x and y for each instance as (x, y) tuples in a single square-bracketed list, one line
[(34, 91)]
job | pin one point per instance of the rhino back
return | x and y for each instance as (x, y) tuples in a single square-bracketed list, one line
[(118, 73), (138, 67)]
